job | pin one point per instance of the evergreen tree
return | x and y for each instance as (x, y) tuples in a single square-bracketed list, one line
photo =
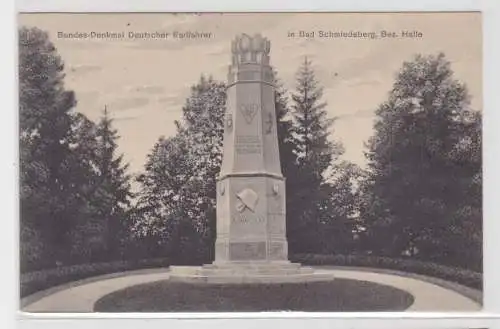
[(419, 176), (314, 150), (315, 154), (113, 189)]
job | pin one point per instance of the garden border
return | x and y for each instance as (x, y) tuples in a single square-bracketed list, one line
[(457, 275), (466, 282)]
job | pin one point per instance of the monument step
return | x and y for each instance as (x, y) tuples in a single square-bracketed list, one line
[(252, 279), (241, 268), (253, 265), (240, 271)]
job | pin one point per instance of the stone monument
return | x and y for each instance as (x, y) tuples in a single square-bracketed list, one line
[(251, 243), (251, 188)]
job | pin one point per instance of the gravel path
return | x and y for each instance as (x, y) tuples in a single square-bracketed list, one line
[(80, 297)]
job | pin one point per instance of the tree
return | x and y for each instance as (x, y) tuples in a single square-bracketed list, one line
[(203, 126), (85, 232), (161, 206), (417, 180), (72, 185), (462, 245), (338, 208), (115, 182), (45, 113), (286, 140), (315, 153), (109, 190), (178, 195)]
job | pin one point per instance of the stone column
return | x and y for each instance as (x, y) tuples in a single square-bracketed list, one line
[(250, 187)]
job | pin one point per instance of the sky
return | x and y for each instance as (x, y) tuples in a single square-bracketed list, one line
[(144, 83)]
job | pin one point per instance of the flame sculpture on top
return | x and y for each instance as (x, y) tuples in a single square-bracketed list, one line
[(248, 49)]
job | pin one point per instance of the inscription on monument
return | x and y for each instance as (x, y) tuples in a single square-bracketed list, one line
[(248, 218), (248, 144), (247, 250)]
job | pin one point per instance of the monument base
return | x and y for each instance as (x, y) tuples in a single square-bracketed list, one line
[(247, 272)]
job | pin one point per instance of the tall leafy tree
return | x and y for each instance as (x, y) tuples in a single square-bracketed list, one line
[(182, 172), (203, 127), (338, 209), (419, 175), (162, 205), (462, 244)]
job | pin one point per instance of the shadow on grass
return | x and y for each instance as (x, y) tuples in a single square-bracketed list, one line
[(338, 295)]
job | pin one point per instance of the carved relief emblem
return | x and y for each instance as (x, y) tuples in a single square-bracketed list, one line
[(229, 123), (276, 189), (247, 199), (249, 111), (269, 123)]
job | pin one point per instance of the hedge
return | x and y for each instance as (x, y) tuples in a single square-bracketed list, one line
[(32, 282), (39, 280), (461, 276)]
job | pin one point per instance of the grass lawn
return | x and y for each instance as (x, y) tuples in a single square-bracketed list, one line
[(337, 295)]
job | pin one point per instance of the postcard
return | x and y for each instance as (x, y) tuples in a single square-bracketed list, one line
[(250, 162)]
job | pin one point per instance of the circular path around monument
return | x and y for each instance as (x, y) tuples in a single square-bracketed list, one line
[(352, 290)]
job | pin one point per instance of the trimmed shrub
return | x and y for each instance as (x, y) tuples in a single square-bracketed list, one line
[(39, 280), (461, 276)]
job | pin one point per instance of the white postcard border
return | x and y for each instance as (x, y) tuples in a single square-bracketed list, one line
[(491, 161)]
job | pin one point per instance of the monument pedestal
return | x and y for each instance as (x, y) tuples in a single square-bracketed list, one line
[(251, 245), (251, 223)]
